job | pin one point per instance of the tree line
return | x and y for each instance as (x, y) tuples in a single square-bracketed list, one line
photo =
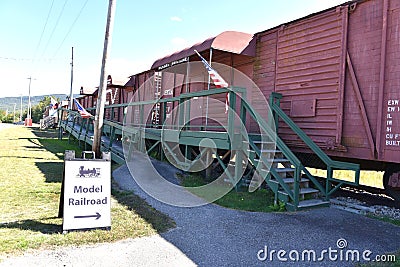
[(37, 112)]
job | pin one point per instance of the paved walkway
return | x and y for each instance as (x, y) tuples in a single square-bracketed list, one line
[(215, 236)]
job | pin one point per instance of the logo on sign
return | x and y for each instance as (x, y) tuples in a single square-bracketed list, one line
[(88, 173)]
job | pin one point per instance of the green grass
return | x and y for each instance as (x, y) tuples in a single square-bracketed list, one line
[(396, 263), (368, 178), (261, 200), (386, 219), (31, 167)]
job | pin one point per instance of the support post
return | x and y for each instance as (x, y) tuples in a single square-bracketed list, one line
[(99, 117), (71, 96), (382, 79), (208, 163), (20, 114)]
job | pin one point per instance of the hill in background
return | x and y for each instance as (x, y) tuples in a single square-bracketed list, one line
[(8, 102)]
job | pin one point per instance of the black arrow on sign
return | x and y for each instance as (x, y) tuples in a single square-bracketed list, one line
[(97, 216)]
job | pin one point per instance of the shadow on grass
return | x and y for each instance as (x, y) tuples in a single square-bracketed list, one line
[(49, 133), (24, 157), (47, 140), (52, 171), (159, 221), (34, 225)]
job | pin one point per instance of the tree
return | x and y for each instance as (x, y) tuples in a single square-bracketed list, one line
[(6, 118), (39, 109)]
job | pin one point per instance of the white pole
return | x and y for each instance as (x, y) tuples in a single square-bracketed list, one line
[(29, 99), (15, 105), (98, 123), (20, 114), (72, 79), (208, 88)]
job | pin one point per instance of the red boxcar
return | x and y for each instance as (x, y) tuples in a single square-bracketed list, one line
[(339, 73)]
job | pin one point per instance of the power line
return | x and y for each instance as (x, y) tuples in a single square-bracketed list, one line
[(44, 28), (55, 27), (70, 28), (28, 59)]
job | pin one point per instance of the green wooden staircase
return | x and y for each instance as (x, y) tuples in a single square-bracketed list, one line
[(275, 163), (282, 177)]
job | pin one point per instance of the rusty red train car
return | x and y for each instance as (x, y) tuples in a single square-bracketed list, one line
[(339, 74), (117, 92)]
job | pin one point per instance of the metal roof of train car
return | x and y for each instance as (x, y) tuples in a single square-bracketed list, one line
[(228, 41), (88, 90)]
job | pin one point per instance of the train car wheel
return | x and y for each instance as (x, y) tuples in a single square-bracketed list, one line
[(391, 182)]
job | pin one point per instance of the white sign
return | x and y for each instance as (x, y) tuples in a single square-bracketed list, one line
[(87, 194)]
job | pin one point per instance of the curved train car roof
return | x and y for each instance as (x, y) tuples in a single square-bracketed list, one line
[(228, 41)]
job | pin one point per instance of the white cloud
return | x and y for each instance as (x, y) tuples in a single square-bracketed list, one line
[(175, 18)]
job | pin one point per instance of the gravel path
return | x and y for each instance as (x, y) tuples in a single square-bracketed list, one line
[(214, 236)]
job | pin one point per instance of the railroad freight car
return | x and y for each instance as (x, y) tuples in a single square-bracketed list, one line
[(116, 93), (338, 72)]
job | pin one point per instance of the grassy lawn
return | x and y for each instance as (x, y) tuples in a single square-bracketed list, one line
[(31, 167), (260, 200), (368, 178), (389, 263)]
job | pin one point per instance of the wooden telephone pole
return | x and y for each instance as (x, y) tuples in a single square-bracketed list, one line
[(71, 95), (99, 117)]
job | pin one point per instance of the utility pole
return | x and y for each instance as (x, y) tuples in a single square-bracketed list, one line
[(15, 105), (20, 114), (29, 98), (72, 79), (99, 117), (28, 121)]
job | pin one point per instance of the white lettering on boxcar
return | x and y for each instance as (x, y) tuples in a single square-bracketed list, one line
[(392, 119)]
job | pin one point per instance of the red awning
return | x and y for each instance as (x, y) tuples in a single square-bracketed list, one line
[(229, 41)]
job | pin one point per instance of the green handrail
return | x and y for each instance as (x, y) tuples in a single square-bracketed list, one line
[(331, 164), (282, 147)]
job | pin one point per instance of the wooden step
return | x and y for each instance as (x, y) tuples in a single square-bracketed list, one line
[(269, 151), (310, 203), (275, 160), (278, 160), (264, 144), (258, 142), (291, 180), (303, 191), (281, 170), (308, 190)]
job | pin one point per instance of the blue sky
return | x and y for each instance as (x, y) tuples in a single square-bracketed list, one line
[(143, 31)]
